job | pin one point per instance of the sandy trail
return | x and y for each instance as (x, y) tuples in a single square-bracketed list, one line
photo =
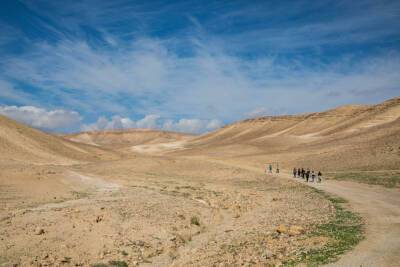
[(381, 209)]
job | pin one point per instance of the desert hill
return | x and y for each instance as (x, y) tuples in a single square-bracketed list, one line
[(20, 143), (342, 120), (351, 137), (126, 138), (348, 137)]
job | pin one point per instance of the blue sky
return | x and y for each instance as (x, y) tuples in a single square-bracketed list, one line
[(191, 66)]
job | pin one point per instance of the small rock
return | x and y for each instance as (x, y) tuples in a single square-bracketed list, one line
[(39, 231), (99, 219), (66, 260), (281, 229)]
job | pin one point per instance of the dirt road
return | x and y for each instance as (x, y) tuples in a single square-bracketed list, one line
[(381, 209)]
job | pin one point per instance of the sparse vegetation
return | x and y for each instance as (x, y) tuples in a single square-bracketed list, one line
[(118, 264), (386, 178), (111, 264), (345, 230), (80, 194), (195, 220)]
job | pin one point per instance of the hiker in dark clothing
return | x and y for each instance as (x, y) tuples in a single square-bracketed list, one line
[(319, 176), (307, 175), (312, 176), (270, 168), (303, 173), (298, 172), (294, 172)]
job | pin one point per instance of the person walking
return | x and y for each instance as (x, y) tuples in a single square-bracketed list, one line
[(307, 175), (319, 176), (303, 173), (294, 172), (312, 176), (298, 172)]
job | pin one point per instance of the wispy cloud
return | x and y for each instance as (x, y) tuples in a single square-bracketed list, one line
[(10, 92), (208, 83), (8, 34)]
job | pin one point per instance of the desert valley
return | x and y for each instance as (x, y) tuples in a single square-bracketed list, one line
[(145, 197)]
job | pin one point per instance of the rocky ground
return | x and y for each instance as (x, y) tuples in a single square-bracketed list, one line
[(154, 211)]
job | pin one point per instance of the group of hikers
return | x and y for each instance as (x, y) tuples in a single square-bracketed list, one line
[(307, 174), (270, 168)]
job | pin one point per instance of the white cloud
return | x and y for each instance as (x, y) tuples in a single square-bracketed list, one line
[(154, 122), (214, 124), (149, 121), (45, 119), (103, 123), (192, 125)]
